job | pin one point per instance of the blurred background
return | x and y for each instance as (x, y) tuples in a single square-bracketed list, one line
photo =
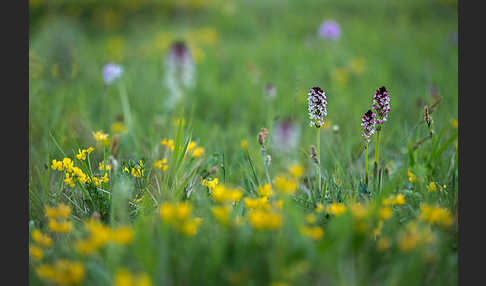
[(254, 62)]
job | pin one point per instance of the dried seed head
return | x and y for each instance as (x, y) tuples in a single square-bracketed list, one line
[(260, 139), (368, 125), (427, 116), (317, 106), (381, 105), (114, 146)]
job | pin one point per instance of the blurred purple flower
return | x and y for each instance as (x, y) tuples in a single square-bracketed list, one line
[(285, 135), (270, 90), (111, 72), (330, 29), (179, 71)]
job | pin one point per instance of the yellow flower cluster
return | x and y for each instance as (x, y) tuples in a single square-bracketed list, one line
[(314, 232), (288, 183), (136, 171), (415, 236), (169, 143), (194, 149), (103, 167), (394, 200), (257, 203), (161, 164), (432, 187), (74, 173), (123, 277), (264, 219), (411, 176), (66, 164), (435, 215), (179, 216), (101, 137), (119, 127), (62, 272), (285, 184), (36, 252), (210, 184), (100, 235), (336, 209), (222, 213), (310, 229), (40, 240), (265, 190), (58, 218), (83, 153), (223, 194)]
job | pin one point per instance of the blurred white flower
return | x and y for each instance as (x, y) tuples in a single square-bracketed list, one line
[(111, 72)]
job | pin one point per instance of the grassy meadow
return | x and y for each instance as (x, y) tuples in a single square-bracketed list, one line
[(218, 178)]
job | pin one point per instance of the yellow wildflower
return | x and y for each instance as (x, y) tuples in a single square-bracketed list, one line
[(211, 184), (83, 153), (42, 239), (67, 164), (358, 211), (61, 211), (319, 208), (265, 190), (221, 194), (399, 200), (311, 218), (57, 165), (169, 143), (124, 278), (36, 252), (191, 146), (103, 167), (455, 123), (435, 215), (314, 232), (222, 213), (101, 137), (260, 219), (411, 176), (63, 272), (161, 164), (431, 187), (415, 236), (122, 235), (336, 209), (198, 152), (285, 185), (244, 144), (119, 127), (68, 180), (60, 226), (296, 170), (257, 203), (189, 228), (385, 213)]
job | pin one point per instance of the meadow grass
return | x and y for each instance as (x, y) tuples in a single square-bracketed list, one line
[(215, 206)]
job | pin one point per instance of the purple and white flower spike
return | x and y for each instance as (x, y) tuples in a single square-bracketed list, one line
[(317, 106), (179, 71), (381, 105), (368, 123)]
